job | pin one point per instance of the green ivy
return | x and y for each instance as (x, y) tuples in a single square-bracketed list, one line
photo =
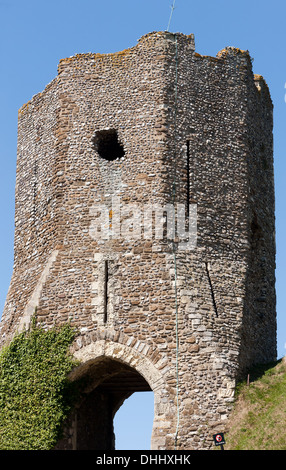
[(35, 393)]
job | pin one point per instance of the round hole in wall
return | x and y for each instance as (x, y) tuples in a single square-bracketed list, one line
[(107, 145)]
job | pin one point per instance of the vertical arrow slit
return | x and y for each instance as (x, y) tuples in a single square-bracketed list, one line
[(188, 176), (212, 291), (105, 290)]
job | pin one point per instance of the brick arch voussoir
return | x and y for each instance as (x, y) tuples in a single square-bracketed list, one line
[(142, 357)]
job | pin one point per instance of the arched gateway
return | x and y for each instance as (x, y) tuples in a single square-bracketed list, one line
[(114, 371)]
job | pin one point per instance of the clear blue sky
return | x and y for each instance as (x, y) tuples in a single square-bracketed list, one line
[(36, 34)]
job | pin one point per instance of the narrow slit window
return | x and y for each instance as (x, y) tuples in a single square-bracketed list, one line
[(212, 291), (188, 176), (105, 290)]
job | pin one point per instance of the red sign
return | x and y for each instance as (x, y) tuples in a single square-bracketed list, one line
[(219, 439)]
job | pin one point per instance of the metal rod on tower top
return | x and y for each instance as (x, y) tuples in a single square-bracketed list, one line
[(172, 10)]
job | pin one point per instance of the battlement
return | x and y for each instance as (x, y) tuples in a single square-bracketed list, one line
[(81, 63)]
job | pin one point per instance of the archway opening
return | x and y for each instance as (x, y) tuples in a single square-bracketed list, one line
[(133, 422), (109, 384)]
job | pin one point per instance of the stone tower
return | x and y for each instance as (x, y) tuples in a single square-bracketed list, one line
[(116, 158)]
